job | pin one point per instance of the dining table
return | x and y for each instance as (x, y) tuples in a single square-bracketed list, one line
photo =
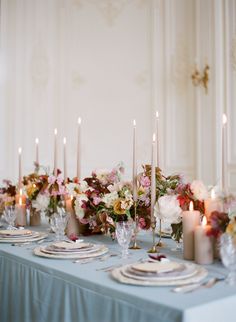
[(39, 289)]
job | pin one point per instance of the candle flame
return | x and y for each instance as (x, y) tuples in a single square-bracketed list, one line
[(134, 122), (157, 114), (34, 185), (79, 120), (37, 141), (191, 206), (224, 119), (20, 201), (20, 150), (64, 141), (154, 137), (20, 192), (204, 221), (213, 194), (55, 131)]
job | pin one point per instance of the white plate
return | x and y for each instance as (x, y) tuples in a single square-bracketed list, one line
[(64, 245), (117, 274), (156, 267), (38, 252), (33, 238), (14, 233), (188, 270), (49, 250)]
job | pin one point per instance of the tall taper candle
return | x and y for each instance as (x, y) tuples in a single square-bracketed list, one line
[(55, 153), (20, 167), (37, 150), (153, 178), (79, 149), (134, 163), (157, 139), (65, 160), (224, 153)]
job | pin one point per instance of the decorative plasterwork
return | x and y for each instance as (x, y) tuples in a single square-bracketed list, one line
[(180, 73), (39, 66), (110, 9), (234, 52)]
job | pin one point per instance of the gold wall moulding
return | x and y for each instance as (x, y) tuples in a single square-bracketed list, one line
[(199, 79)]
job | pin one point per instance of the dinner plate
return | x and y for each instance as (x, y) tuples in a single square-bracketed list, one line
[(156, 267), (119, 276), (71, 245), (50, 250), (36, 237), (187, 270), (14, 233), (38, 252)]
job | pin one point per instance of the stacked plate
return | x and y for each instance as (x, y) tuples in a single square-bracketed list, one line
[(159, 273), (71, 250), (20, 236)]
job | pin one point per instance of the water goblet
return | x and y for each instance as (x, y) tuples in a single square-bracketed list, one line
[(60, 221), (10, 216), (124, 231), (228, 256)]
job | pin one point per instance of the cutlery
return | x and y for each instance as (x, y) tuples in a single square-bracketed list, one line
[(88, 260), (193, 287)]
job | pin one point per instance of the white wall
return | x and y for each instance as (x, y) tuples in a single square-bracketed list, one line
[(110, 61)]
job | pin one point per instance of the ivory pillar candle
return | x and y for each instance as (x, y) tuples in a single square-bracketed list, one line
[(191, 219), (20, 195), (203, 247), (65, 160), (20, 166), (79, 149), (153, 178), (212, 204), (134, 163), (73, 223), (55, 153), (157, 139), (37, 150), (20, 213)]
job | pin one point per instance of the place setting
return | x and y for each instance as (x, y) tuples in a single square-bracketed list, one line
[(20, 236)]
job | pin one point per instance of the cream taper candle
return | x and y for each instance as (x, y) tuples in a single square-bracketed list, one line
[(203, 246), (191, 219), (37, 150), (20, 167), (65, 160), (153, 178), (55, 153), (157, 139), (224, 154), (134, 163)]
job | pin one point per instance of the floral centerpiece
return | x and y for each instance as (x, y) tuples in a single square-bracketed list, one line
[(7, 195)]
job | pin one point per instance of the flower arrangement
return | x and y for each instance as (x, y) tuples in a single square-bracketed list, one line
[(7, 195)]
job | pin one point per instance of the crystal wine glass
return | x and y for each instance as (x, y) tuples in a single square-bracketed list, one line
[(10, 216), (228, 256), (58, 224), (124, 231)]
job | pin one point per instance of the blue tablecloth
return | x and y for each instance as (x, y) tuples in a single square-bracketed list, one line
[(35, 289)]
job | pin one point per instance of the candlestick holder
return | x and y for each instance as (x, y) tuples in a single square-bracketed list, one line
[(160, 243), (153, 249), (135, 244)]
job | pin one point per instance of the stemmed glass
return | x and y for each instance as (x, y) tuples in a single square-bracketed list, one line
[(58, 224), (10, 217), (124, 231), (228, 256)]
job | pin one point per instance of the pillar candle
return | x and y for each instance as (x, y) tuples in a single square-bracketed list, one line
[(157, 139), (203, 246), (22, 196), (37, 150), (153, 178), (224, 154), (20, 166), (20, 213), (134, 163), (73, 223), (79, 149), (191, 219), (55, 153), (65, 160), (212, 204)]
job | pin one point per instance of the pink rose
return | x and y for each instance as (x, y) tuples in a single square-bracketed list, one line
[(145, 181), (96, 200), (51, 179)]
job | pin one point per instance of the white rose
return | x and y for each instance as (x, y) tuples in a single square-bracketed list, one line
[(199, 190), (79, 211), (83, 186), (70, 188), (110, 198), (41, 203), (167, 209)]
